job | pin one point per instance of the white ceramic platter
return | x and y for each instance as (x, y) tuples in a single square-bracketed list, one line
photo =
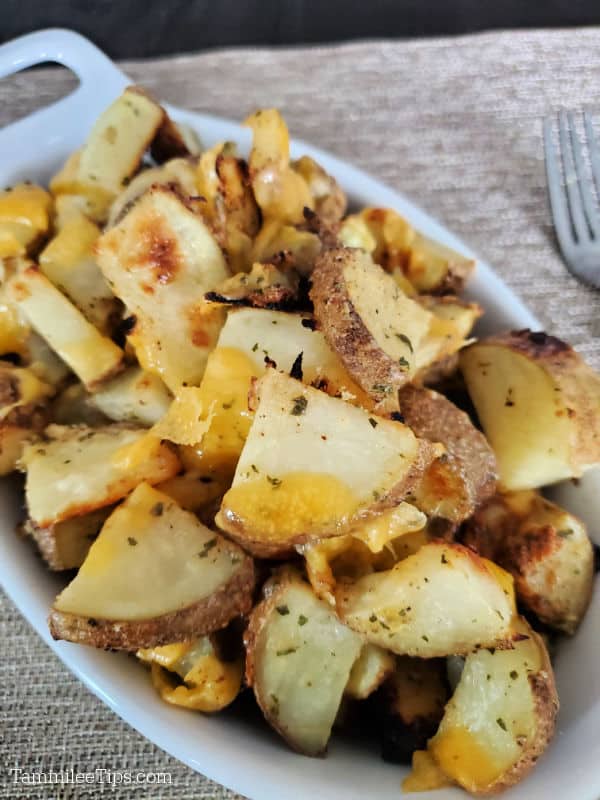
[(247, 758)]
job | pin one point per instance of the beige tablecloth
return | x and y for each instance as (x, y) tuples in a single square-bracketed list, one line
[(453, 123)]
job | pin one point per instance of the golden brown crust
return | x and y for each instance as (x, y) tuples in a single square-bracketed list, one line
[(211, 613), (467, 470), (373, 369)]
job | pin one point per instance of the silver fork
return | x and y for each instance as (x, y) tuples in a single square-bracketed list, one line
[(572, 196)]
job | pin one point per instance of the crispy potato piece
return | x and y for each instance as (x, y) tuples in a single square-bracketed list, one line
[(68, 261), (78, 469), (179, 173), (72, 406), (65, 545), (546, 550), (153, 576), (44, 362), (237, 213), (174, 140), (304, 446), (113, 151), (370, 670), (382, 336), (500, 718), (207, 684), (465, 475), (298, 661), (410, 706), (281, 192), (134, 396), (442, 600), (428, 265), (539, 405), (265, 286), (24, 219), (329, 199), (92, 357), (159, 260)]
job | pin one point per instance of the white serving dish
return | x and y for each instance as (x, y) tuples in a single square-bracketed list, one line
[(250, 759)]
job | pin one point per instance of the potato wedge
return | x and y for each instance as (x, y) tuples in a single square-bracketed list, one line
[(237, 213), (329, 199), (265, 286), (500, 718), (113, 151), (370, 670), (68, 261), (65, 545), (286, 245), (78, 469), (92, 357), (546, 550), (382, 336), (465, 475), (159, 260), (298, 661), (410, 706), (539, 405), (154, 575), (442, 600), (304, 446), (134, 396)]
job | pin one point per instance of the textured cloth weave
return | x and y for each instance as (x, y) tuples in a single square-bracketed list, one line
[(453, 123)]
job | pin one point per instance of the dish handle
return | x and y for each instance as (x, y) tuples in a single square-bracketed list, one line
[(100, 82)]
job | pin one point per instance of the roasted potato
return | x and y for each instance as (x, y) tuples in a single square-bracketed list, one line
[(329, 199), (500, 717), (23, 397), (442, 600), (546, 550), (539, 405), (265, 286), (133, 396), (154, 575), (382, 336), (24, 219), (304, 446), (298, 661), (370, 670), (464, 476), (76, 469), (159, 260), (92, 357)]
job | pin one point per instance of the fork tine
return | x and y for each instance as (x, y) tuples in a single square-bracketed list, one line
[(560, 212), (592, 149), (571, 183), (589, 206)]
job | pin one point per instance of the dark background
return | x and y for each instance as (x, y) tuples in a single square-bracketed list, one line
[(137, 28)]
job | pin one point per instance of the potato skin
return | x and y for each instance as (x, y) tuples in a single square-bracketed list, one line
[(209, 614), (346, 332), (469, 461)]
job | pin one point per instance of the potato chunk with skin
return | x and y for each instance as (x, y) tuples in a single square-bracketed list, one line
[(546, 550), (160, 259), (382, 336), (369, 671), (77, 469), (539, 405), (500, 718), (154, 575), (442, 600), (465, 475), (299, 658), (313, 465), (92, 356)]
